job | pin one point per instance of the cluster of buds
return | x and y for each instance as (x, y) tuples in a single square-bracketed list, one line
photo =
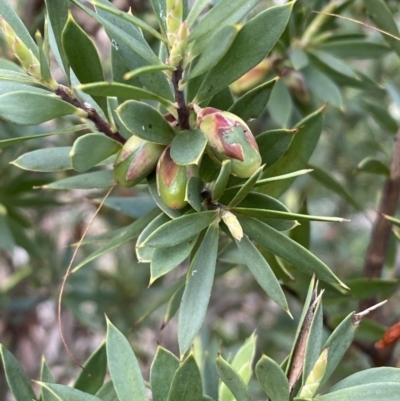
[(27, 59), (230, 138)]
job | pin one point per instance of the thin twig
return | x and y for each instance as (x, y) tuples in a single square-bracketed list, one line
[(183, 111), (100, 124), (68, 273)]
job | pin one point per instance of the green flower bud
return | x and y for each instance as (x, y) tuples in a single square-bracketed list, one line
[(174, 10), (171, 181), (230, 138), (316, 375), (136, 160), (29, 62), (179, 47)]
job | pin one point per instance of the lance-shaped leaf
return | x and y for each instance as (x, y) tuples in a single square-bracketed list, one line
[(98, 179), (221, 182), (180, 229), (16, 76), (128, 233), (197, 292), (218, 16), (162, 371), (232, 380), (173, 305), (298, 154), (147, 69), (216, 49), (381, 375), (188, 147), (373, 166), (186, 384), (97, 366), (91, 149), (272, 379), (124, 367), (123, 91), (262, 272), (145, 122), (194, 189), (28, 108), (281, 106), (107, 392), (16, 378), (246, 51), (166, 259), (253, 103), (46, 160), (273, 144), (68, 393), (284, 247), (364, 392), (82, 57), (47, 377), (9, 86)]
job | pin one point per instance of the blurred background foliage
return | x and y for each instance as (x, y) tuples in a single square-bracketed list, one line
[(353, 69)]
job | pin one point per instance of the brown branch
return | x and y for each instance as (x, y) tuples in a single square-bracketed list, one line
[(183, 111), (101, 125)]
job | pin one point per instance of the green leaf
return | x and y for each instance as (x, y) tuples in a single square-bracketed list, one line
[(384, 19), (166, 259), (272, 379), (215, 50), (246, 51), (361, 288), (252, 104), (197, 292), (28, 108), (91, 149), (221, 182), (82, 56), (242, 363), (282, 246), (218, 16), (57, 11), (46, 376), (262, 272), (132, 206), (194, 189), (131, 19), (393, 220), (263, 213), (16, 76), (173, 305), (188, 147), (280, 106), (338, 343), (273, 144), (129, 233), (147, 69), (328, 181), (47, 160), (96, 365), (98, 179), (298, 154), (145, 122), (186, 384), (323, 87), (107, 392), (162, 371), (69, 130), (123, 91), (180, 229), (16, 378), (335, 64), (124, 367), (354, 48), (18, 26), (379, 112), (380, 375), (232, 380), (298, 58), (364, 392), (160, 11), (9, 86), (195, 11), (65, 393), (373, 166)]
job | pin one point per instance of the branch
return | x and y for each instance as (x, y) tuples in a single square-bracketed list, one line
[(101, 125), (183, 111)]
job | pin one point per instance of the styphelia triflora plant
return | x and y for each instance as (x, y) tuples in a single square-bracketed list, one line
[(169, 123)]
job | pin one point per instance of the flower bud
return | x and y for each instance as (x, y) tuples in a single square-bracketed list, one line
[(294, 80), (174, 9), (136, 160), (171, 181), (253, 77), (316, 375), (179, 47), (233, 224), (230, 138), (29, 62)]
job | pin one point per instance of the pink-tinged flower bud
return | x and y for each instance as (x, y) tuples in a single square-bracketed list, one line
[(136, 160), (253, 77), (171, 181), (29, 62), (294, 80), (230, 138)]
